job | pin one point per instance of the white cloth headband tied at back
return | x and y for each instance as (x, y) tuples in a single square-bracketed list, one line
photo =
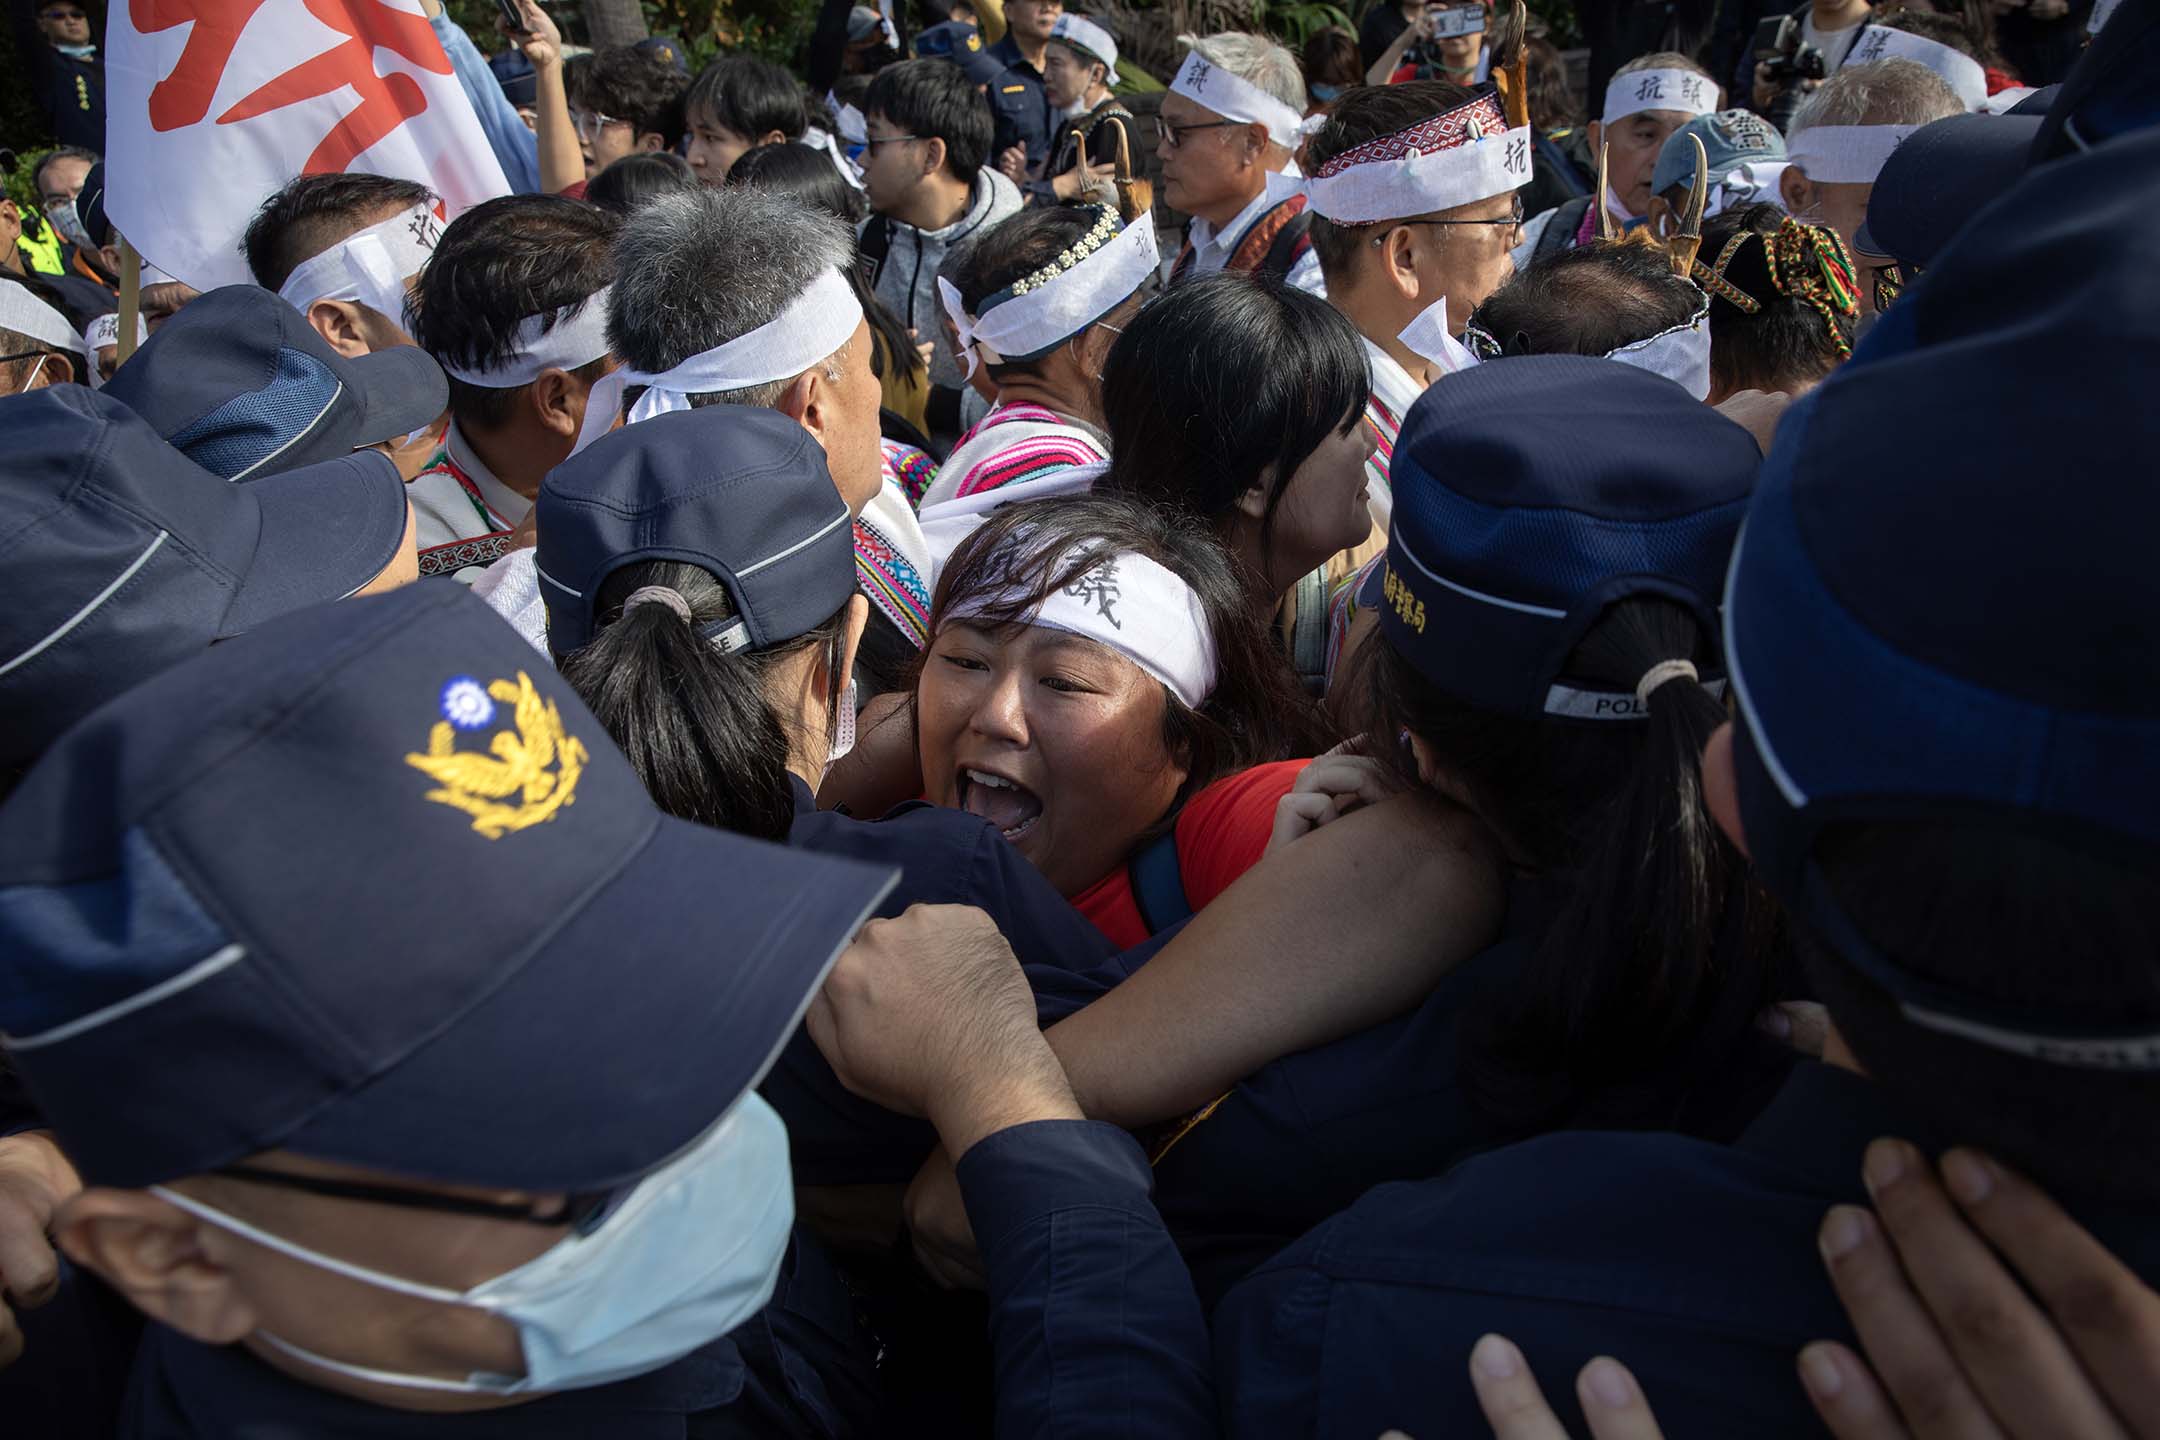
[(578, 337), (1845, 154), (369, 267), (1137, 608), (820, 321), (1681, 354), (1963, 73), (1234, 97), (25, 314), (1062, 306), (1085, 35), (1640, 90), (1463, 156)]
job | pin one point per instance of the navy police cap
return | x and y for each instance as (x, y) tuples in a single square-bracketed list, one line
[(124, 558), (1531, 494), (737, 490), (1944, 605), (241, 384), (369, 885)]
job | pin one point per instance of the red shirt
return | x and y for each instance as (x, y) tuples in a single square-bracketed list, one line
[(1221, 833)]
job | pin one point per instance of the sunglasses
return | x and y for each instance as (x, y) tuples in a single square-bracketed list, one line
[(62, 15)]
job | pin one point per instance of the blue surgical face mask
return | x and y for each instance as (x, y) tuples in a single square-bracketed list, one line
[(78, 52), (686, 1255), (1325, 94)]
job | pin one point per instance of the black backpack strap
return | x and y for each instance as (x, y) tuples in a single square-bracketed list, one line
[(1158, 884), (1559, 232), (871, 248)]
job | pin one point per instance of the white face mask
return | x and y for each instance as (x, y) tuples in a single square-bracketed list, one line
[(688, 1254), (843, 727), (69, 224)]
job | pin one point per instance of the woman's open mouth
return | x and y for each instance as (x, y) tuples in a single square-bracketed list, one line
[(1007, 804)]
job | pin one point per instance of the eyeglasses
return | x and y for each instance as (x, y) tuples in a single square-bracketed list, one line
[(68, 14), (590, 123), (870, 145), (1175, 134), (581, 1212), (1512, 220)]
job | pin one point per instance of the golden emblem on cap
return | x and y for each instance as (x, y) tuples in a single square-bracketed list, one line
[(522, 778)]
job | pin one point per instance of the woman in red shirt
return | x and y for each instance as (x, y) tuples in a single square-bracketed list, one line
[(1098, 680)]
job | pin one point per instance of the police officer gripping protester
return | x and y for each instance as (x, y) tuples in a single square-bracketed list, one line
[(415, 1023)]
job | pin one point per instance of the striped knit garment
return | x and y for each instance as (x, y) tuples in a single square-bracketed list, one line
[(1012, 443)]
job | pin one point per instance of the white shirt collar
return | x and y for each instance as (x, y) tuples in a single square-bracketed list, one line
[(1395, 386), (1212, 247), (500, 498)]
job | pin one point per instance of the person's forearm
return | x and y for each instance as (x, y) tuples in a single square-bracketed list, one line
[(562, 163), (1346, 927), (506, 133), (1391, 58)]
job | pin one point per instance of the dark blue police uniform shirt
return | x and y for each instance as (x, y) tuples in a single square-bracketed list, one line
[(946, 857), (1020, 111), (1694, 1264), (1094, 1326), (1308, 1134), (799, 1367)]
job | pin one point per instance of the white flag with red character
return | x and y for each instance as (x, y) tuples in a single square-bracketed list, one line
[(213, 105)]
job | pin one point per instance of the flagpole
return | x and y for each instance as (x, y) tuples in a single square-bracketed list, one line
[(130, 298)]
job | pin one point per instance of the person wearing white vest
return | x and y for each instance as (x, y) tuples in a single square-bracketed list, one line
[(1842, 134)]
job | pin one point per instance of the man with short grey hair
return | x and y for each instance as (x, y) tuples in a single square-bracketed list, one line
[(1229, 125), (733, 267), (1842, 134)]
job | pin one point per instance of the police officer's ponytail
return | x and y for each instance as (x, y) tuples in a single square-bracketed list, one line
[(696, 724), (1660, 952)]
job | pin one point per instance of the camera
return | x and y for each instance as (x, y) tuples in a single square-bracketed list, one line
[(1788, 60)]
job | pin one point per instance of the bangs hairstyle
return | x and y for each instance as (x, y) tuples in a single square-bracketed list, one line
[(934, 98), (747, 96), (1011, 251), (1007, 567), (1787, 342), (496, 264), (634, 85), (1226, 382), (1366, 113)]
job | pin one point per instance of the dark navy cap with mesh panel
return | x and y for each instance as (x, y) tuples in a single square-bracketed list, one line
[(737, 490), (241, 384), (1937, 178), (1530, 494), (1944, 605), (123, 557), (369, 884)]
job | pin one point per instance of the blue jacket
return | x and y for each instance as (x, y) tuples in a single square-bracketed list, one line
[(1020, 111), (1694, 1264), (516, 148)]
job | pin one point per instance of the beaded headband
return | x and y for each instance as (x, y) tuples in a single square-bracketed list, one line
[(1104, 230), (1464, 155), (1083, 283)]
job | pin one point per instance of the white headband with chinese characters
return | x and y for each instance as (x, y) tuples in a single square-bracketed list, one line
[(820, 321), (1465, 155), (1641, 90), (368, 267), (1960, 71), (1025, 325), (578, 337), (27, 315), (1233, 97), (1134, 606), (1845, 154)]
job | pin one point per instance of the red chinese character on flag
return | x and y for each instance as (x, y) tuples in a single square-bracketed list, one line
[(386, 101)]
